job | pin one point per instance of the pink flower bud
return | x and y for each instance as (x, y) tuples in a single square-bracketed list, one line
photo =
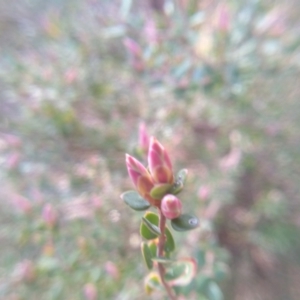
[(90, 291), (159, 163), (141, 178), (49, 215), (171, 206), (144, 138)]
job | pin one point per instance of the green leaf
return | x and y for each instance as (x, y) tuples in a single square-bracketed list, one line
[(163, 260), (145, 232), (135, 201), (148, 234), (160, 190), (214, 292), (147, 255), (181, 272), (185, 222), (221, 270), (153, 247), (153, 228), (47, 264), (179, 182), (169, 244), (152, 282)]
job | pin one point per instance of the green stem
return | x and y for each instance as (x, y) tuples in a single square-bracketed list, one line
[(160, 253)]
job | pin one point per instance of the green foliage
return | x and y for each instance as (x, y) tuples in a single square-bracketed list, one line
[(215, 83), (135, 201), (185, 222), (146, 233), (147, 255)]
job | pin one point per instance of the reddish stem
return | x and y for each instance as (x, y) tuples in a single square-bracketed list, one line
[(160, 253)]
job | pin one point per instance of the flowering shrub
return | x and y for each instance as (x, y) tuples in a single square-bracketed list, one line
[(156, 187)]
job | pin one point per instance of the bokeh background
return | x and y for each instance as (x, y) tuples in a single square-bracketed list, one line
[(217, 82)]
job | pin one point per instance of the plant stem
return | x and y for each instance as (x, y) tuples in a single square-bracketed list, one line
[(160, 253)]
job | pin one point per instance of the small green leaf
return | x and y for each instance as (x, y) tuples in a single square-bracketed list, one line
[(47, 264), (152, 282), (160, 190), (153, 228), (148, 234), (145, 232), (135, 201), (181, 272), (147, 255), (214, 292), (221, 270), (163, 260), (182, 175), (185, 222), (179, 182), (153, 247), (169, 244)]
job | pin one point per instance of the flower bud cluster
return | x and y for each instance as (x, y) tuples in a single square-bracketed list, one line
[(159, 173)]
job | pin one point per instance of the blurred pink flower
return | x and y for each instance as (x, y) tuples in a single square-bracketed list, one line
[(96, 202), (204, 192), (70, 75), (13, 160), (136, 53), (25, 271), (112, 269), (212, 210), (12, 140), (150, 30), (49, 215), (21, 203), (159, 162), (133, 47), (90, 291), (231, 160), (222, 17)]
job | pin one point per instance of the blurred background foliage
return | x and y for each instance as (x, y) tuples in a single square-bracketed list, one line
[(215, 81)]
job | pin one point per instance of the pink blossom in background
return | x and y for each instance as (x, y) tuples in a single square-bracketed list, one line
[(96, 202), (13, 159), (222, 17), (12, 140), (71, 75), (90, 291), (21, 203), (112, 269), (136, 53), (151, 34), (133, 47), (231, 160), (25, 271), (274, 22), (49, 215), (212, 210), (204, 192)]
